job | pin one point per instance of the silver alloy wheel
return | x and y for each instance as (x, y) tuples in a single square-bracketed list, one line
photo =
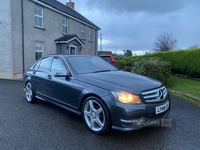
[(94, 115), (29, 92)]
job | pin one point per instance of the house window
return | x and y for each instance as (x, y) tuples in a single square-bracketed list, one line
[(39, 16), (38, 50), (65, 25), (82, 31), (90, 52), (90, 35)]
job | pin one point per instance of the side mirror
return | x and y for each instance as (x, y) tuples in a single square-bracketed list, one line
[(64, 73)]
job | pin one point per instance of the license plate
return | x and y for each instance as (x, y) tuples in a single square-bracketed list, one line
[(162, 108)]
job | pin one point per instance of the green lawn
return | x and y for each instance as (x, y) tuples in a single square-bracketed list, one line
[(183, 84)]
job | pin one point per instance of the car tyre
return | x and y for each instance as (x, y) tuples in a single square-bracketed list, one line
[(96, 116), (30, 93)]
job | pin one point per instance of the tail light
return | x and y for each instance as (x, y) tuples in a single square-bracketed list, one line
[(113, 62)]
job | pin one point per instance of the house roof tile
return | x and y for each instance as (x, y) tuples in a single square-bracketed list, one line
[(65, 9), (69, 37)]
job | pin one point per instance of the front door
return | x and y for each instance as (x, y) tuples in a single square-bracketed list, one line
[(73, 50)]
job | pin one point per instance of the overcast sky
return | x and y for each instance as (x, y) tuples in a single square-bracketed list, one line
[(135, 24)]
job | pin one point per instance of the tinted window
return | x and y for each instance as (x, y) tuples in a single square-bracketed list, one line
[(57, 65), (37, 65), (107, 57), (87, 64), (45, 63)]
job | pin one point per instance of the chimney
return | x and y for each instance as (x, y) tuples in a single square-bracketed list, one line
[(70, 4)]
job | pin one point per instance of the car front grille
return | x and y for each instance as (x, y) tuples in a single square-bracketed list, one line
[(155, 95)]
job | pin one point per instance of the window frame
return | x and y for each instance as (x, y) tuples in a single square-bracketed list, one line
[(82, 32), (37, 15), (64, 64), (48, 67), (90, 34), (39, 51), (65, 25)]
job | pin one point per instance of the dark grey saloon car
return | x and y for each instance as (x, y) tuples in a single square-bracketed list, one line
[(104, 95)]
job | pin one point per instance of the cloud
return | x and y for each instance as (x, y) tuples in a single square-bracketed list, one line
[(135, 24), (149, 6)]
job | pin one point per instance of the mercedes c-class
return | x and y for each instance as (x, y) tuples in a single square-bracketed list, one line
[(105, 96)]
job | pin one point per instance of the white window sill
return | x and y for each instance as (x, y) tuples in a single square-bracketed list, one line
[(41, 28)]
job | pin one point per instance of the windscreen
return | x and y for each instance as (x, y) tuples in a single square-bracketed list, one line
[(90, 64)]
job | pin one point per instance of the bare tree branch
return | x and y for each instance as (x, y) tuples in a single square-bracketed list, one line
[(165, 42), (193, 46)]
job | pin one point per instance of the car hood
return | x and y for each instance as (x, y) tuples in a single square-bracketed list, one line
[(120, 80)]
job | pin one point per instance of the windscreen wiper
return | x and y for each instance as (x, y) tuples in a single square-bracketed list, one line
[(101, 71)]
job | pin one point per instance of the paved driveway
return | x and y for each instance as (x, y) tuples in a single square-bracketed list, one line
[(42, 126)]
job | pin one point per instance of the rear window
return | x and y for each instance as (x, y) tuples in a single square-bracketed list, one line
[(107, 58)]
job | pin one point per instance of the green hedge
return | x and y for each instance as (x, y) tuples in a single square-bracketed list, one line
[(120, 63), (118, 58), (128, 68), (183, 61), (154, 68), (127, 60)]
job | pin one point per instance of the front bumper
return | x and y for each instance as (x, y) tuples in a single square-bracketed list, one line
[(129, 117)]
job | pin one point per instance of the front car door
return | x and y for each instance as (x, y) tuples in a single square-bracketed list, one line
[(60, 89)]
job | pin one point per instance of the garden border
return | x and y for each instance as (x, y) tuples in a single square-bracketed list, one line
[(186, 94)]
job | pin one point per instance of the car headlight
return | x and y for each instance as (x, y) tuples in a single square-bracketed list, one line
[(125, 97)]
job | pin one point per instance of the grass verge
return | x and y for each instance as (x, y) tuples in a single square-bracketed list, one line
[(186, 85), (184, 97)]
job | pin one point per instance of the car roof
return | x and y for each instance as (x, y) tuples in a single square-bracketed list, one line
[(68, 55)]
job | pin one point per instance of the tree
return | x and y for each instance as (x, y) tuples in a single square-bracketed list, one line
[(193, 47), (147, 52), (128, 53), (165, 42)]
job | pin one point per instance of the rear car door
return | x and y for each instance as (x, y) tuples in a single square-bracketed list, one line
[(40, 75)]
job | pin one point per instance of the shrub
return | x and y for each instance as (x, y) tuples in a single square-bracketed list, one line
[(118, 58), (185, 62), (127, 60), (152, 67), (138, 58), (128, 68), (120, 64)]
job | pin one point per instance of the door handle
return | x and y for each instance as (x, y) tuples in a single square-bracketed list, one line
[(49, 77)]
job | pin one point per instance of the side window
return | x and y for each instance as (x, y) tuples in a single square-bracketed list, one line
[(45, 63), (57, 65), (37, 65)]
